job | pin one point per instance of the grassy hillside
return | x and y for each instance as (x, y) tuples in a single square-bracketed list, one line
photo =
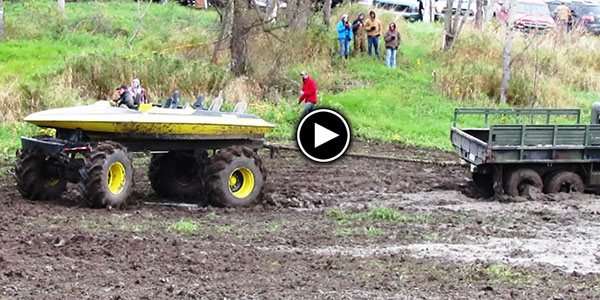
[(62, 61)]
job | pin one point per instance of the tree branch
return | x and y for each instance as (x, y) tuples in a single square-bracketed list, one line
[(140, 19)]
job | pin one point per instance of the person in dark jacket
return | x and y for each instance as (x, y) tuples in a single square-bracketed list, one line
[(360, 34), (308, 94), (344, 35), (392, 41), (125, 98)]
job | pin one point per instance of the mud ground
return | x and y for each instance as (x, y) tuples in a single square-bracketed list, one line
[(355, 229)]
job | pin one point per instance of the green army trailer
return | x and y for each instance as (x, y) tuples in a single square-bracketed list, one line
[(510, 158)]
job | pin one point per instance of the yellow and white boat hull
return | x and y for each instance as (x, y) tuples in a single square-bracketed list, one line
[(100, 120)]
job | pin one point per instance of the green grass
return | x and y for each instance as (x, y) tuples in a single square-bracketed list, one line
[(373, 231), (92, 27), (225, 228), (399, 105), (378, 214), (273, 227), (344, 231), (183, 226), (506, 274), (395, 104), (10, 134)]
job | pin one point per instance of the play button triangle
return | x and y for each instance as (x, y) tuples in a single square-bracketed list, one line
[(323, 135)]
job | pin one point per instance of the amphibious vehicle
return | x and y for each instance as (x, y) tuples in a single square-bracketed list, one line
[(198, 155)]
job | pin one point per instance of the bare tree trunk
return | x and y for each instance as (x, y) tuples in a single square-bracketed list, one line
[(297, 14), (428, 11), (448, 26), (224, 31), (489, 10), (61, 7), (479, 14), (141, 15), (303, 14), (271, 13), (2, 32), (239, 36), (327, 12), (290, 13), (453, 24), (507, 53)]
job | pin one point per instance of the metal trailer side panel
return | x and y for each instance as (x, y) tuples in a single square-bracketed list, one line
[(470, 148)]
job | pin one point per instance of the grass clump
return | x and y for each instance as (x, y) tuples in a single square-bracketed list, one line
[(373, 231), (506, 274), (225, 228), (378, 214), (183, 226)]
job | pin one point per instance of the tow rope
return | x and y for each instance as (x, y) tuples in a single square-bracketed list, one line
[(275, 148)]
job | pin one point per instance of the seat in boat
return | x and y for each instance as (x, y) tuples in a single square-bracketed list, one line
[(240, 107)]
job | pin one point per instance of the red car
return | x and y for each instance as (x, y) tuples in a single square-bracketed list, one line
[(531, 15)]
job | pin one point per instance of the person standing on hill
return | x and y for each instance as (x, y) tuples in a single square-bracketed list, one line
[(373, 27), (392, 41), (358, 29), (308, 94), (563, 15), (344, 36)]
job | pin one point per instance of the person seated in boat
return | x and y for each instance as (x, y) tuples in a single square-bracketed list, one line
[(138, 93), (125, 98)]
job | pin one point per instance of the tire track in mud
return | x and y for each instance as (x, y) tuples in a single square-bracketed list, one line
[(295, 181)]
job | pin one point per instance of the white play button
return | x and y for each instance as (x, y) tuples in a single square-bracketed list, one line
[(323, 143), (323, 135)]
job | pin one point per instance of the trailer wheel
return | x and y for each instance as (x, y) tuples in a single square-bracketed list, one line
[(109, 179), (235, 177), (484, 184), (38, 176), (519, 180), (176, 175), (564, 182)]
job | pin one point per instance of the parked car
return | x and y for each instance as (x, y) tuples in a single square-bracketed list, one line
[(530, 15), (409, 9), (587, 17), (440, 8)]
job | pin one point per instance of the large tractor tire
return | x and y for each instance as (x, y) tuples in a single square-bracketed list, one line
[(235, 177), (109, 175), (564, 182), (519, 180), (38, 176), (176, 175)]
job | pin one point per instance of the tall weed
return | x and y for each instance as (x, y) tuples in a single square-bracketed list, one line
[(545, 68)]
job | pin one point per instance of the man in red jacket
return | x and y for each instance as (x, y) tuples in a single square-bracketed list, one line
[(308, 94)]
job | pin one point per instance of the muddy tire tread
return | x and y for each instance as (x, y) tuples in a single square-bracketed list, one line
[(27, 175), (220, 161), (95, 160), (516, 177), (161, 179), (559, 178)]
